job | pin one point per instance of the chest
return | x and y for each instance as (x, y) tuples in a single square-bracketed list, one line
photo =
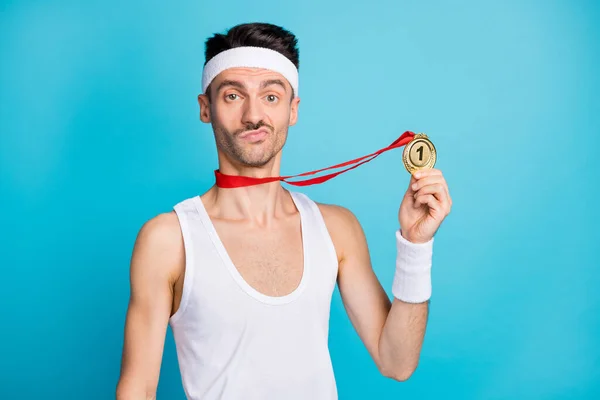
[(269, 260)]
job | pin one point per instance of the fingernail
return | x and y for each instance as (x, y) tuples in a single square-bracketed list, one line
[(417, 174), (414, 186)]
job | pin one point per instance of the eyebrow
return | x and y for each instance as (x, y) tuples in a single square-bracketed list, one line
[(235, 84), (270, 82), (241, 86)]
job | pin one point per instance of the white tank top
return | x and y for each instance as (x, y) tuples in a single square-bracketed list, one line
[(234, 342)]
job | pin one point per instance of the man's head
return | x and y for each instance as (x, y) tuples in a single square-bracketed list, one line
[(250, 108)]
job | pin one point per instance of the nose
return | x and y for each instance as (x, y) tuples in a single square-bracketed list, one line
[(253, 112)]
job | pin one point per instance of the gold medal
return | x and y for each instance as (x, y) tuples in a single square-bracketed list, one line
[(419, 153)]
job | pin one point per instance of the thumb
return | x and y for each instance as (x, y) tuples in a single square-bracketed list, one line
[(410, 191)]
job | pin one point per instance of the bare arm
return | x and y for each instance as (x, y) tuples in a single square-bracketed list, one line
[(155, 264), (402, 337), (392, 332)]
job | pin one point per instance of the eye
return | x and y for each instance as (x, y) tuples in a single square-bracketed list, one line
[(271, 98), (231, 96)]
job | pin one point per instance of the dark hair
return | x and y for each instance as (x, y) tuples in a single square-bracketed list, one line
[(254, 34)]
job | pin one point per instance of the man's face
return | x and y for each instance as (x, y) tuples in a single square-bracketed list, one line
[(250, 111)]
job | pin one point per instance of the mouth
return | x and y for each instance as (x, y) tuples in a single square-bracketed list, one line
[(255, 136)]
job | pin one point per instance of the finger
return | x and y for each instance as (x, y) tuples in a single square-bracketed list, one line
[(429, 200), (436, 190), (410, 191), (429, 180), (422, 173), (412, 179), (437, 178), (448, 200)]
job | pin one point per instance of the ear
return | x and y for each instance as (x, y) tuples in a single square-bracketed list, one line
[(204, 104), (294, 110)]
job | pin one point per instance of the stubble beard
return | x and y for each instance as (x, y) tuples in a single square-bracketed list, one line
[(253, 155)]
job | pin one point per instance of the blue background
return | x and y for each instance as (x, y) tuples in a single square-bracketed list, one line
[(99, 132)]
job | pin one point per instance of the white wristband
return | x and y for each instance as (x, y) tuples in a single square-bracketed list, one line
[(412, 280)]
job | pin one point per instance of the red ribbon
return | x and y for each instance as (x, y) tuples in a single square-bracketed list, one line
[(234, 181)]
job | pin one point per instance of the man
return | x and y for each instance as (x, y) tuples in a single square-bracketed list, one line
[(244, 275)]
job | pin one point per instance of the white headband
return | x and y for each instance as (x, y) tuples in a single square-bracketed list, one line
[(250, 57)]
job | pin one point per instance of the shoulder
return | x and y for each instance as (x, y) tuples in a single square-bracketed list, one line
[(343, 226), (159, 246), (162, 230), (337, 216)]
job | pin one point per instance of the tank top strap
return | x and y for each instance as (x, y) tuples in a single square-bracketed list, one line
[(316, 222)]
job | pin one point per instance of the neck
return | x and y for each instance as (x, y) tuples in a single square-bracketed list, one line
[(259, 204)]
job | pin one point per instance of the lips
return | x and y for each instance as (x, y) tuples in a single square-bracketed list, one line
[(255, 135)]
